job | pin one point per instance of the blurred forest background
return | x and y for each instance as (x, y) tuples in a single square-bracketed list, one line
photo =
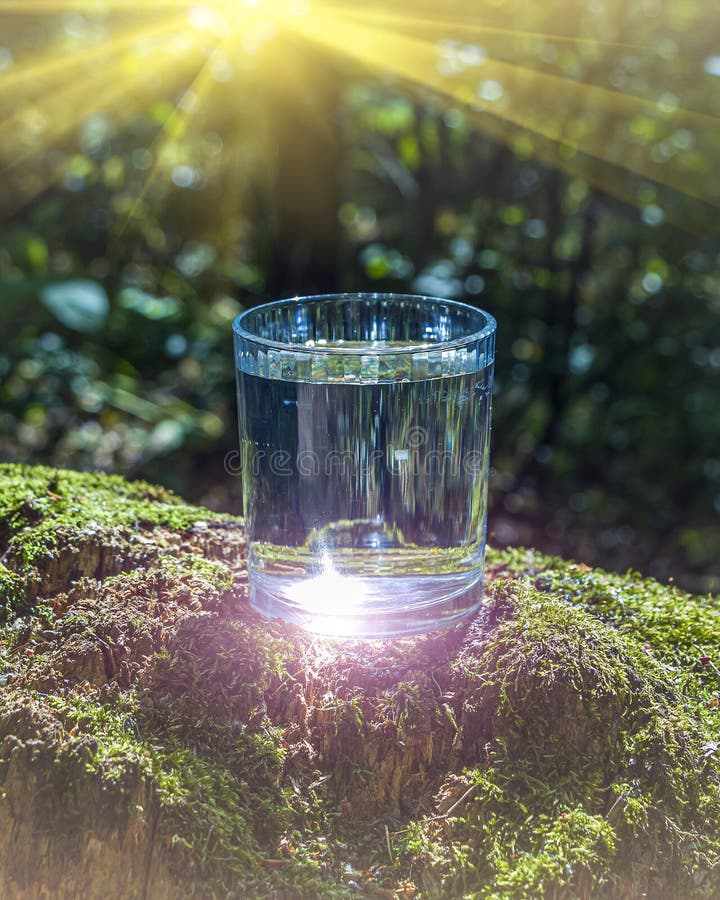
[(554, 163)]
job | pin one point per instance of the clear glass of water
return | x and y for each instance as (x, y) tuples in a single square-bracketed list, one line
[(364, 432)]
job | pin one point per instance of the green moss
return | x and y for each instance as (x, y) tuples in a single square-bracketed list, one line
[(406, 705), (564, 745), (219, 809), (537, 859), (211, 678), (206, 818), (38, 505), (13, 592), (185, 578), (193, 728), (12, 588), (595, 771), (678, 630), (187, 565)]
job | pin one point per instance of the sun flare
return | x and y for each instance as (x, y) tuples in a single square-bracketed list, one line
[(120, 55)]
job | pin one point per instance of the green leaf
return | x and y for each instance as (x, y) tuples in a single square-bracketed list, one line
[(37, 253), (80, 305)]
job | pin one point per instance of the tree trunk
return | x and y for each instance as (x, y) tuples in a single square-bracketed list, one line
[(159, 740), (306, 198)]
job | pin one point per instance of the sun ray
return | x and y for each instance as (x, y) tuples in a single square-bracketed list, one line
[(71, 105), (76, 93), (59, 7), (580, 127), (382, 18), (28, 75), (176, 123), (689, 213), (248, 169), (421, 52), (545, 104), (294, 90), (235, 197)]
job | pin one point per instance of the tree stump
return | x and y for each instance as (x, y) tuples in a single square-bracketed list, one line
[(159, 740)]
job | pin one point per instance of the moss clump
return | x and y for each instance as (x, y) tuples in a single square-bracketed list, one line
[(184, 734), (211, 819), (215, 674), (38, 506), (12, 588), (599, 773), (562, 745), (679, 631)]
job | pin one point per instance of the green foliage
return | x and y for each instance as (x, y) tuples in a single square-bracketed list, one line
[(79, 305), (538, 858), (679, 631), (11, 588)]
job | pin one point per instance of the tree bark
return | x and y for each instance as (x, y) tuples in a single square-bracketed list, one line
[(306, 196)]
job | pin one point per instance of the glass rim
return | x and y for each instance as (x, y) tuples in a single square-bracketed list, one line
[(488, 329)]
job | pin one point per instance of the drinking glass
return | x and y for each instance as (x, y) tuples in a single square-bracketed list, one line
[(364, 434)]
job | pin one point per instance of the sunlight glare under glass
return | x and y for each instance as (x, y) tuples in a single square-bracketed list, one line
[(322, 596)]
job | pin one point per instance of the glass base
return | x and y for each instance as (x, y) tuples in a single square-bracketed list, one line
[(366, 608)]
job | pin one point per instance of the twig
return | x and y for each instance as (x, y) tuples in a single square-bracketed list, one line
[(444, 815), (457, 803), (618, 799), (389, 846)]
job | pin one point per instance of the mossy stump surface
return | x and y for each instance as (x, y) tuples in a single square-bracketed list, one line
[(159, 740)]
